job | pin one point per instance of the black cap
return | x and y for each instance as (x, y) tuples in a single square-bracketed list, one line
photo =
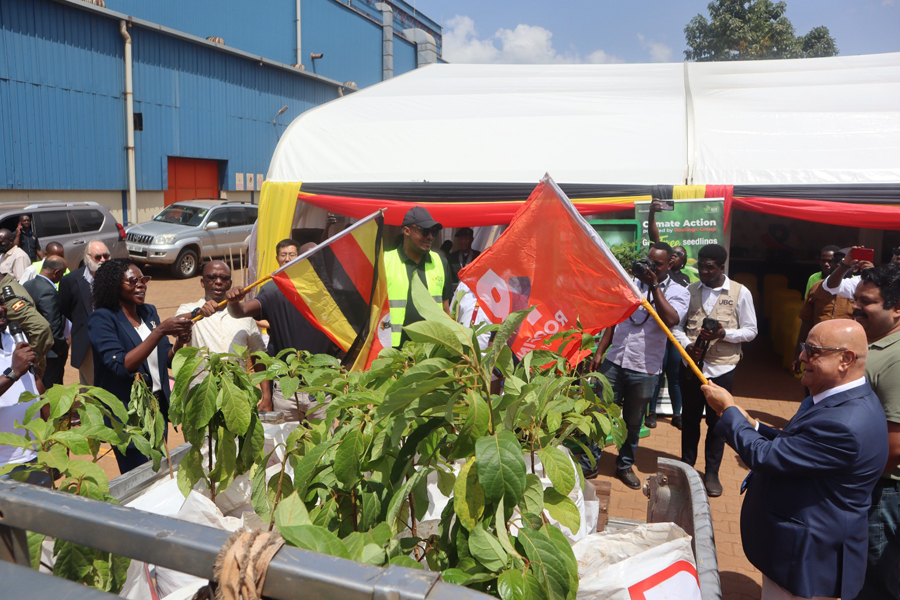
[(421, 217), (465, 232)]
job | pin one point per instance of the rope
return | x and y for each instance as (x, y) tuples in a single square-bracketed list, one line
[(241, 566)]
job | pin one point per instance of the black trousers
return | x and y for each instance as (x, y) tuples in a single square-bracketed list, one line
[(693, 404)]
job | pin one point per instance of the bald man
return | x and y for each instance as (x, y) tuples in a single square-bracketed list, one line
[(804, 521), (53, 249)]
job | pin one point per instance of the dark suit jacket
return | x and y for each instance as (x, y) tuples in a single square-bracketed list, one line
[(76, 305), (46, 300), (455, 265), (112, 337), (804, 520)]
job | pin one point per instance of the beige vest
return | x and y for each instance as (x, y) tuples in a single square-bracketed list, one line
[(720, 352)]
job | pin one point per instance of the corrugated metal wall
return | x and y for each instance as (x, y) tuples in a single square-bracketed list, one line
[(62, 118), (352, 46), (263, 28), (62, 109), (404, 55), (200, 103)]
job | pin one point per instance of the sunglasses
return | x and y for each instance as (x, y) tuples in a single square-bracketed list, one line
[(133, 281), (212, 278), (678, 253), (813, 351), (432, 231), (104, 256), (896, 251)]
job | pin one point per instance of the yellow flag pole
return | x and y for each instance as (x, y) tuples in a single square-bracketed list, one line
[(690, 362)]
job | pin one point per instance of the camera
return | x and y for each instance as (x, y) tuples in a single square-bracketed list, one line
[(709, 324), (642, 266)]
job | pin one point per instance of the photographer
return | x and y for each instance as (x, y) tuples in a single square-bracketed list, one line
[(636, 348), (720, 317)]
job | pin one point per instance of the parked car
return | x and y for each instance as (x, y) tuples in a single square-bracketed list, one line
[(186, 232), (72, 224)]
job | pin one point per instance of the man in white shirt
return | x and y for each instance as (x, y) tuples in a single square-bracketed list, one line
[(636, 349), (466, 311), (15, 379), (13, 260), (218, 330), (729, 306)]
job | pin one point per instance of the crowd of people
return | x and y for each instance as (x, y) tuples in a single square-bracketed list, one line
[(821, 515)]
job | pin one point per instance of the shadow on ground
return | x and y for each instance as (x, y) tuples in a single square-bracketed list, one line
[(737, 586)]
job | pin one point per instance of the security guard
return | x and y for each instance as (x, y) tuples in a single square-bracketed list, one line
[(20, 309), (415, 255)]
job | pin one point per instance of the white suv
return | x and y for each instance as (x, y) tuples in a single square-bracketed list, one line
[(186, 232)]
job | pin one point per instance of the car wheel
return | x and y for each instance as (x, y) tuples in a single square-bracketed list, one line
[(186, 265)]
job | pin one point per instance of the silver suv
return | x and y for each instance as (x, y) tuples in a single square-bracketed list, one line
[(186, 232), (72, 224)]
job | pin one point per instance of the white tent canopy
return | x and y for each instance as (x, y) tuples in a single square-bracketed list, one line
[(785, 122)]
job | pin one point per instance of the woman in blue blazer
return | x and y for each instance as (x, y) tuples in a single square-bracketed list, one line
[(127, 337)]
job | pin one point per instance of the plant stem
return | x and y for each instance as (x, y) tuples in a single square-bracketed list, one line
[(212, 484), (168, 459), (278, 491), (353, 508)]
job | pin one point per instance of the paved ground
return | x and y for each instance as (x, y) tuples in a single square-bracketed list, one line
[(766, 390)]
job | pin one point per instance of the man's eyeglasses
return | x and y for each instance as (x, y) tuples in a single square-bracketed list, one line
[(896, 251), (212, 278), (288, 256), (104, 256), (813, 351), (432, 231), (133, 281)]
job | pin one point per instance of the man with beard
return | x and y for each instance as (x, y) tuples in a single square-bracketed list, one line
[(76, 305), (13, 260), (876, 306), (415, 255)]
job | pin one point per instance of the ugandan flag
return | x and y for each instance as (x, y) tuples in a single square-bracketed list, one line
[(341, 289)]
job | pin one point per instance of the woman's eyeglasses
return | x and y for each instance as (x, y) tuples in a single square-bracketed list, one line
[(133, 281), (212, 278)]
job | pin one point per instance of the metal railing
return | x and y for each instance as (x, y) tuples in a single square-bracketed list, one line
[(189, 548)]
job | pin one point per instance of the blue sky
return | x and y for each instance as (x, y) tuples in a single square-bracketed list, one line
[(529, 31)]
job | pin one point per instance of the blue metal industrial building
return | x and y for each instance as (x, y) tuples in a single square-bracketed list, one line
[(212, 110)]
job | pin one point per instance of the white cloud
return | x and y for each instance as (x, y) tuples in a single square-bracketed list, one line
[(659, 52), (888, 2), (526, 44)]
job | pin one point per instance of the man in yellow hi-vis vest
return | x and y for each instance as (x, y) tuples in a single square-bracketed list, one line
[(415, 255)]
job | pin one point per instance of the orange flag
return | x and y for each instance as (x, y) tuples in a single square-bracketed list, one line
[(552, 259)]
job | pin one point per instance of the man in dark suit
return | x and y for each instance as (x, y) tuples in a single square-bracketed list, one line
[(46, 299), (76, 305), (463, 255), (804, 521)]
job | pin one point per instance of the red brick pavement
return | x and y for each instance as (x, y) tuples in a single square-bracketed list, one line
[(770, 394)]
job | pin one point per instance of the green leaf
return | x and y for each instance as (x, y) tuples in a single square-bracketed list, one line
[(291, 514), (486, 549), (562, 509), (401, 497), (405, 561), (533, 500), (511, 585), (433, 312), (202, 402), (111, 402), (505, 361), (56, 457), (35, 541), (73, 562), (554, 420), (17, 441), (501, 468), (234, 406), (455, 576), (226, 456), (507, 328), (190, 471), (468, 496), (430, 332), (546, 562), (558, 469), (314, 538), (83, 469), (445, 482), (349, 456), (307, 467), (564, 549), (289, 386)]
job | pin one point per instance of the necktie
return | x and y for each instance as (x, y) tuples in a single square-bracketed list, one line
[(804, 406)]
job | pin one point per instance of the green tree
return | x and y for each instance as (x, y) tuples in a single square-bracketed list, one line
[(751, 30)]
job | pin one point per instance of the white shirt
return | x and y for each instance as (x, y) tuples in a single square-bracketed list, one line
[(10, 408), (14, 262), (639, 344), (837, 390), (845, 289), (468, 306), (744, 312), (153, 360), (221, 332)]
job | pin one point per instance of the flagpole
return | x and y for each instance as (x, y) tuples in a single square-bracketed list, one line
[(304, 256), (690, 362)]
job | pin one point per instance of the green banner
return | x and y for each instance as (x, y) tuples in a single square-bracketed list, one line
[(693, 224)]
